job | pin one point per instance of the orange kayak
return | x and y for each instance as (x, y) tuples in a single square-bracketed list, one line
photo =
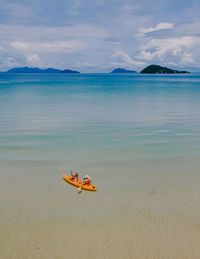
[(68, 178)]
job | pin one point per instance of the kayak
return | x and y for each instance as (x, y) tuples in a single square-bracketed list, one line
[(68, 178)]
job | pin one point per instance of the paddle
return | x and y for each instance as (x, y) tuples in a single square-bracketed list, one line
[(79, 188)]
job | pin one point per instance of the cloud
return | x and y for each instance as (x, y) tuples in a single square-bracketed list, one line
[(160, 26), (59, 46), (145, 55), (131, 8), (50, 47), (34, 60), (160, 48), (8, 62), (20, 12), (187, 59), (126, 60), (176, 45), (47, 33), (77, 33)]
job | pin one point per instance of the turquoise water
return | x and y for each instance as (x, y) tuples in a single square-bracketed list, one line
[(138, 136), (155, 115)]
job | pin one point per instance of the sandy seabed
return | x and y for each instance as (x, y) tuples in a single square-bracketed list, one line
[(154, 216)]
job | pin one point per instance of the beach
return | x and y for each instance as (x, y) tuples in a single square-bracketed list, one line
[(137, 136)]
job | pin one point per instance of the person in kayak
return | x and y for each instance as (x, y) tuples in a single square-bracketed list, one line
[(74, 176), (86, 180)]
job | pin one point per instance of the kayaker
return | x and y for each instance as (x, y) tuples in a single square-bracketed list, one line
[(86, 180), (74, 176)]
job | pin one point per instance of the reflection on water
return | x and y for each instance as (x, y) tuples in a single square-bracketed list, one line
[(137, 136)]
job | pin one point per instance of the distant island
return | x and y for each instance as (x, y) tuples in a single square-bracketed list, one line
[(155, 69), (39, 70), (152, 69), (68, 71), (33, 70), (123, 71)]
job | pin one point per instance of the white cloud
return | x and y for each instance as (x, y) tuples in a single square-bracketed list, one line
[(127, 60), (34, 60), (160, 48), (172, 44), (145, 55), (160, 26), (60, 46), (67, 33), (69, 39), (187, 58), (8, 62)]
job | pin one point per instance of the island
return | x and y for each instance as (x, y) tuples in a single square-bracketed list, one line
[(68, 71), (39, 70), (33, 70), (155, 69), (152, 69), (123, 71)]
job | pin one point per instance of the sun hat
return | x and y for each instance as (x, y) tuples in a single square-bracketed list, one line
[(87, 177)]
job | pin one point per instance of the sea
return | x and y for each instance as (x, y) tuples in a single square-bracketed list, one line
[(137, 136)]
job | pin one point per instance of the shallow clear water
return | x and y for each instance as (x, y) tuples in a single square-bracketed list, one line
[(138, 136)]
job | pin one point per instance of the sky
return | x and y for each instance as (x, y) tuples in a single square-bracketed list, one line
[(99, 35)]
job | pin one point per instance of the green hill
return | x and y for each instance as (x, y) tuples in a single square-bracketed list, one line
[(155, 69)]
